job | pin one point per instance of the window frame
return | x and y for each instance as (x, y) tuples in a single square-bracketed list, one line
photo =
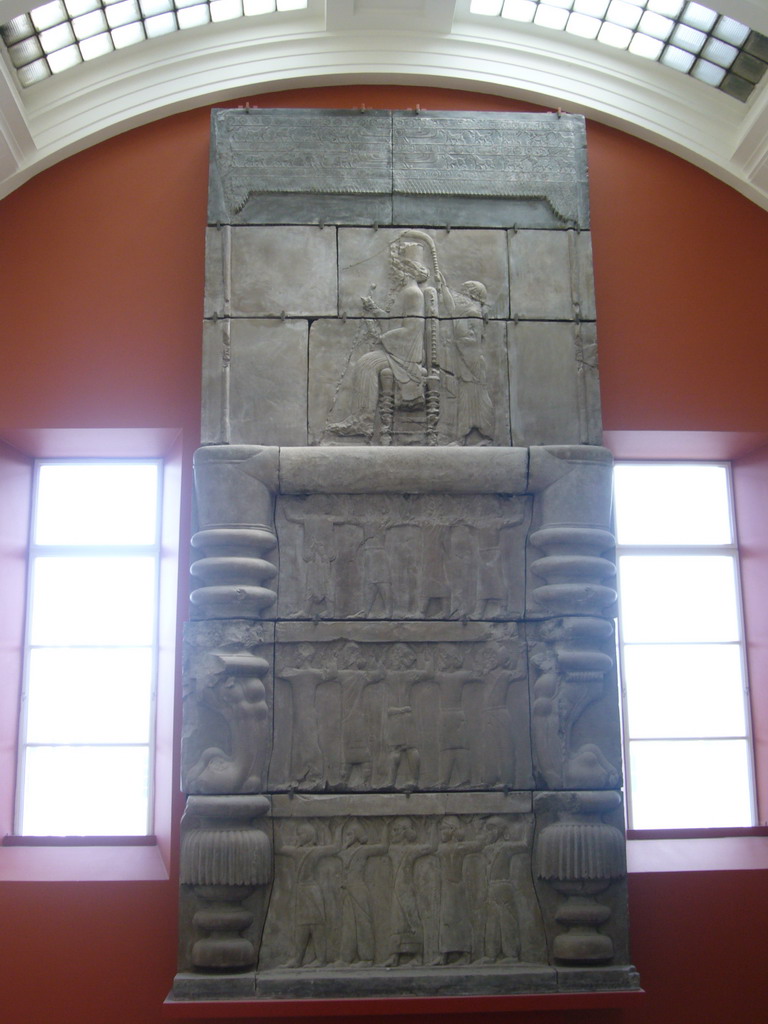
[(730, 549), (37, 550), (146, 858)]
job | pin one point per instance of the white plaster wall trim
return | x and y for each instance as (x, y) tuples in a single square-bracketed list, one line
[(70, 112)]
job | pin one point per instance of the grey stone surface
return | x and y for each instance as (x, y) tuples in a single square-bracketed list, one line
[(402, 557), (404, 890), (400, 731), (520, 156), (382, 714), (268, 382), (283, 270), (404, 470), (550, 363), (364, 265)]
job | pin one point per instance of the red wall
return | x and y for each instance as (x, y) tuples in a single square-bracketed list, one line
[(103, 285)]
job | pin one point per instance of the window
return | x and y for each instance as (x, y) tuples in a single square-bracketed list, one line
[(686, 722), (90, 658)]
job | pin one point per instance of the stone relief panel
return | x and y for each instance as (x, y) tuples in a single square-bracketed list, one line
[(402, 884), (402, 556), (421, 367), (359, 709), (548, 358), (550, 275), (256, 374), (228, 706), (283, 270)]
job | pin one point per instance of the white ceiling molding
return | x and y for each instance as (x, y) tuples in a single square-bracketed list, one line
[(73, 110)]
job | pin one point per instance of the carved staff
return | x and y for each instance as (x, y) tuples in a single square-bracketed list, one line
[(431, 336)]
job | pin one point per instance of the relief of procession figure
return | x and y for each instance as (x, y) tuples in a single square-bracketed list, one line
[(458, 890), (426, 357), (403, 717), (408, 558)]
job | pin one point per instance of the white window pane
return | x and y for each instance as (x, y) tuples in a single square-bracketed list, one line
[(644, 46), (672, 504), (94, 791), (486, 7), (699, 16), (581, 25), (656, 25), (519, 10), (49, 14), (78, 7), (678, 598), (615, 35), (678, 59), (96, 503), (191, 17), (96, 46), (669, 8), (595, 8), (291, 5), (621, 13), (731, 31), (160, 25), (89, 695), (128, 35), (224, 10), (706, 72), (681, 690), (94, 601), (551, 17), (90, 24), (688, 38), (63, 59), (151, 7), (690, 784), (123, 13), (56, 38), (720, 53)]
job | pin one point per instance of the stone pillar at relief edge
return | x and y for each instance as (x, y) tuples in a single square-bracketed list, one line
[(235, 489)]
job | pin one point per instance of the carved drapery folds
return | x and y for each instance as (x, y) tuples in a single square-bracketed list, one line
[(401, 741)]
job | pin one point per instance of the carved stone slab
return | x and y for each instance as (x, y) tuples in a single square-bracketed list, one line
[(550, 275), (530, 157), (446, 168), (384, 706), (401, 556)]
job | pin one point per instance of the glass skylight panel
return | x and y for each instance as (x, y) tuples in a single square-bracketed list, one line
[(656, 25), (584, 26), (226, 10), (61, 34), (615, 35), (96, 46), (519, 10), (706, 72), (551, 17), (731, 31), (621, 13), (77, 7), (49, 14), (698, 16), (680, 34), (160, 25)]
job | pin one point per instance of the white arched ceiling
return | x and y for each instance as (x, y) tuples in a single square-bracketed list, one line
[(428, 42)]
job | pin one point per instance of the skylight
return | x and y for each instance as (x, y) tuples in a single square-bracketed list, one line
[(64, 33), (679, 34)]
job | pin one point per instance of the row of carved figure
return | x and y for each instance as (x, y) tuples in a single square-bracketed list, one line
[(406, 892), (403, 733), (400, 716), (403, 557)]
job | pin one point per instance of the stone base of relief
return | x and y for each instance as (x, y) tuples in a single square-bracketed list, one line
[(401, 744)]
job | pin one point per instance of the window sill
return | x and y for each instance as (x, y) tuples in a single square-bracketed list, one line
[(81, 859), (691, 850)]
